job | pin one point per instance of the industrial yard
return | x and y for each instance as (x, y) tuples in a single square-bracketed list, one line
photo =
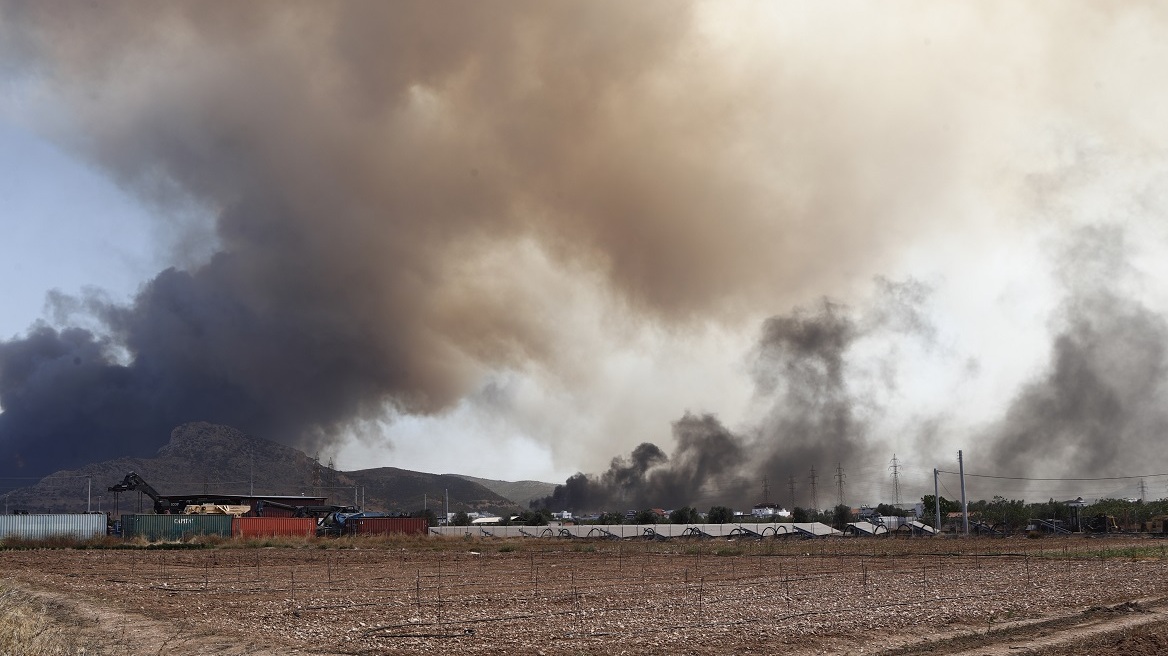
[(420, 595)]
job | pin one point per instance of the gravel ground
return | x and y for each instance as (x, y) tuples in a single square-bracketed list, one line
[(573, 597)]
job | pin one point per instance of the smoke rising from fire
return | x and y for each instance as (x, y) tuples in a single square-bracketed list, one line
[(407, 198), (819, 386)]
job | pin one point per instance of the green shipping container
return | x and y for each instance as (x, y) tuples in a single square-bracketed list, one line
[(172, 528)]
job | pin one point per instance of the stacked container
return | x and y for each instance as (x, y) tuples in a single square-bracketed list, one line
[(171, 528), (39, 527), (389, 525), (261, 527)]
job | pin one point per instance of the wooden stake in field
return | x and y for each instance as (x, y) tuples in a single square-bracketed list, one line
[(701, 588)]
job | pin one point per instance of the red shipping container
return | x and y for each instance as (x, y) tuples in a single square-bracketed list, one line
[(262, 527), (388, 525)]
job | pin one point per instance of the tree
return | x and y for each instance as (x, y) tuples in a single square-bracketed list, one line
[(685, 515), (461, 518), (646, 517), (889, 510), (611, 518), (720, 515), (840, 516), (428, 513), (800, 515), (929, 504), (1006, 513)]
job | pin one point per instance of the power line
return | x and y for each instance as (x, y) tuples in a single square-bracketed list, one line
[(1024, 478)]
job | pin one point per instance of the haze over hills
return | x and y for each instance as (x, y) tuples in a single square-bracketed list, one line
[(521, 492), (219, 459)]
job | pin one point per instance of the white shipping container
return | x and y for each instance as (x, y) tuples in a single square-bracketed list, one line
[(37, 527)]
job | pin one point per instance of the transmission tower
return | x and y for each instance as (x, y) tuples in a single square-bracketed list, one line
[(791, 487), (895, 467), (839, 483), (814, 491), (766, 490)]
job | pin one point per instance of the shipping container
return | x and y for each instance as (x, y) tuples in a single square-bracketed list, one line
[(390, 525), (37, 527), (260, 527), (168, 528)]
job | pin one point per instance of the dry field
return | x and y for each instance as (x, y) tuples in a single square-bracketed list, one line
[(434, 595)]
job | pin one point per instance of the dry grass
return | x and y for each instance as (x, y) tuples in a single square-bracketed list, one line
[(30, 627)]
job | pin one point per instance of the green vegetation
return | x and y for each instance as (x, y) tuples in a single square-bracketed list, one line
[(609, 518), (1014, 514), (840, 516), (646, 517), (720, 515)]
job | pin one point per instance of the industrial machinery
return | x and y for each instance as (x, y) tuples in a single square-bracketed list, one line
[(133, 482), (330, 520), (231, 504), (1100, 524), (235, 510)]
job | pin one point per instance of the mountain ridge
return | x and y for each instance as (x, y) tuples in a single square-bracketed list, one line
[(205, 457)]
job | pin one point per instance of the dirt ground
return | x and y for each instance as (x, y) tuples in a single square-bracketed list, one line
[(1066, 597)]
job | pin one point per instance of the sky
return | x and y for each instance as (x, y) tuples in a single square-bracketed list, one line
[(518, 243)]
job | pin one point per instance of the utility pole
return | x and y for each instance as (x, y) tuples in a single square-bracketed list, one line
[(89, 493), (447, 522), (895, 480), (839, 483), (814, 492), (964, 502), (937, 498), (791, 487)]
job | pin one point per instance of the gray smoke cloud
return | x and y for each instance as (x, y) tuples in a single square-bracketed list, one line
[(1098, 409), (808, 372), (394, 187), (370, 168)]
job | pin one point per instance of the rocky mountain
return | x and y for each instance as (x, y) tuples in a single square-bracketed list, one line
[(521, 492), (203, 457)]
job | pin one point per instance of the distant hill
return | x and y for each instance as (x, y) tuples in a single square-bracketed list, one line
[(220, 459), (521, 492)]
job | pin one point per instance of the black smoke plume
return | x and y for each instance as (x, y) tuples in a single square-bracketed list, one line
[(818, 403), (1099, 407)]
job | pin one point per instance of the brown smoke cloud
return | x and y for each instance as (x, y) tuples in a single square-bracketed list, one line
[(373, 168)]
